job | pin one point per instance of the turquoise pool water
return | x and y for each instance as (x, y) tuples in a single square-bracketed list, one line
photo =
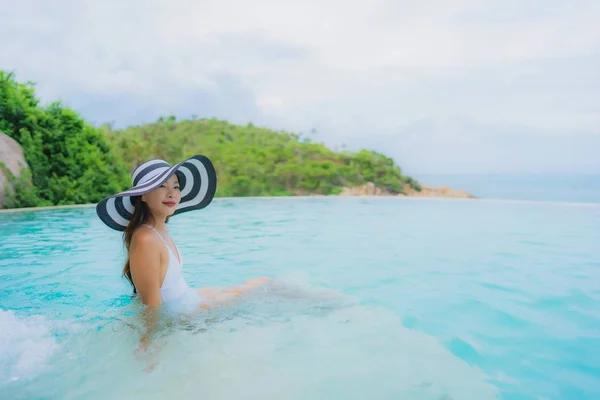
[(462, 299)]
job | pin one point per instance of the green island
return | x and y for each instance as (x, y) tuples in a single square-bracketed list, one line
[(69, 161)]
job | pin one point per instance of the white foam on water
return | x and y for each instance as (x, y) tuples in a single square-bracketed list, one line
[(26, 344), (352, 353), (269, 349)]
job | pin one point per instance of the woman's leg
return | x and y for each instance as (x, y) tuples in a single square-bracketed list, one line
[(224, 295), (251, 284)]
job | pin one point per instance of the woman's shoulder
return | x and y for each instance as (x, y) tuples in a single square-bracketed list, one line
[(144, 237), (145, 248)]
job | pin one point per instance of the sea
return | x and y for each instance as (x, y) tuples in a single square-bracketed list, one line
[(574, 188)]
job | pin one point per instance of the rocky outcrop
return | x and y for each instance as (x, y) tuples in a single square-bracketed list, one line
[(442, 191), (369, 189), (12, 161)]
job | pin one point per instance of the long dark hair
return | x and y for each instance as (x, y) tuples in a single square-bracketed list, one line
[(141, 215)]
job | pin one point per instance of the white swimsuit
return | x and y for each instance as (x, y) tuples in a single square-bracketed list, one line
[(174, 290)]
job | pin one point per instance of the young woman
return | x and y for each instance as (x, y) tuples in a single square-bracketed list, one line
[(154, 263)]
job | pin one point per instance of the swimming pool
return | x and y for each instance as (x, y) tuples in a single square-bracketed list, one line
[(456, 298)]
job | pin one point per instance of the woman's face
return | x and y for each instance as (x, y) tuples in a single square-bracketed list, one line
[(164, 200)]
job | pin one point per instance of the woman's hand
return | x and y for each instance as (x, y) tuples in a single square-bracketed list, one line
[(146, 350)]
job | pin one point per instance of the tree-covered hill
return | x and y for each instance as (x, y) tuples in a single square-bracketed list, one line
[(253, 161), (73, 162)]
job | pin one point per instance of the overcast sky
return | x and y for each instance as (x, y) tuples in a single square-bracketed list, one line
[(440, 85)]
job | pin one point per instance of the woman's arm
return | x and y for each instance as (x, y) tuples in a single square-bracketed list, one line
[(145, 263)]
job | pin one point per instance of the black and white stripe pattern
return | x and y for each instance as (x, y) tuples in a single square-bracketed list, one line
[(197, 181)]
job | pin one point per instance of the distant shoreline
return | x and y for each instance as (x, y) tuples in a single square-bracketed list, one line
[(371, 197)]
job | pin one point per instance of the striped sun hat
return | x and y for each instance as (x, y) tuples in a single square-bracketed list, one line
[(197, 182)]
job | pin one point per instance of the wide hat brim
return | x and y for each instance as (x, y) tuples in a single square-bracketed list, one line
[(198, 185)]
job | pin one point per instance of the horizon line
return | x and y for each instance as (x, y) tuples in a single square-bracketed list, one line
[(399, 197)]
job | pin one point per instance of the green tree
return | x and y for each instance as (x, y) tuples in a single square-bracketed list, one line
[(70, 160)]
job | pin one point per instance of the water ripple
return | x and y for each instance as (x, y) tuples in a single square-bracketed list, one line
[(510, 290)]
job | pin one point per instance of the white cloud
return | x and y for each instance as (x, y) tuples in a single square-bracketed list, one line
[(362, 72)]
